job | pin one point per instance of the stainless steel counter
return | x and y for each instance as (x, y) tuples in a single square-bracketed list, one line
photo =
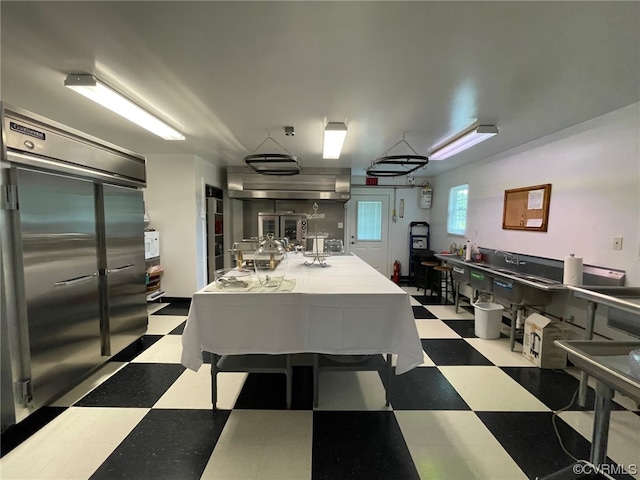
[(622, 298), (607, 362), (524, 278)]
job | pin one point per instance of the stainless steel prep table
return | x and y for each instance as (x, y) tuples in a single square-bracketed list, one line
[(623, 298), (606, 362)]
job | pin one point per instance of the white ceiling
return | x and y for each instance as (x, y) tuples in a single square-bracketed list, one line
[(226, 73)]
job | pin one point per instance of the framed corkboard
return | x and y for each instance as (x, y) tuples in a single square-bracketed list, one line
[(527, 208)]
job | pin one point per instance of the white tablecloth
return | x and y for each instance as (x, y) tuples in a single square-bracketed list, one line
[(346, 308)]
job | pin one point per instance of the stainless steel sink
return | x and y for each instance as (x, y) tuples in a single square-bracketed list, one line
[(605, 360), (518, 293), (481, 280)]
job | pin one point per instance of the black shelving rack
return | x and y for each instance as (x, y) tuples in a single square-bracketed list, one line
[(419, 247)]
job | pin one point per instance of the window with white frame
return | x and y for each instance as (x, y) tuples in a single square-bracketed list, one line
[(369, 221), (457, 214)]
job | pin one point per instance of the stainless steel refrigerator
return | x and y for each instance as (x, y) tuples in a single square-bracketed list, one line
[(73, 266)]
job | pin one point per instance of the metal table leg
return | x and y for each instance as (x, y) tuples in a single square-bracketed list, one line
[(512, 332), (600, 437), (214, 379), (588, 335), (289, 374), (457, 296), (389, 378), (316, 379)]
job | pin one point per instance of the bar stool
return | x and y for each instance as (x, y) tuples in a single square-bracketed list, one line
[(446, 276), (428, 274)]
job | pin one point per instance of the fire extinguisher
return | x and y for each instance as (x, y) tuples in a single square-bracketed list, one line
[(396, 272)]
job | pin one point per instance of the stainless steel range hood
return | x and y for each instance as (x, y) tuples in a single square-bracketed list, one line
[(310, 184)]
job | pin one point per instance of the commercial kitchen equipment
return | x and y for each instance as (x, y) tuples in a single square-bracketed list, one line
[(623, 314), (73, 269), (283, 225), (608, 361), (521, 280), (310, 184)]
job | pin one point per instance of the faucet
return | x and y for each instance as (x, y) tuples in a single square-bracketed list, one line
[(510, 257)]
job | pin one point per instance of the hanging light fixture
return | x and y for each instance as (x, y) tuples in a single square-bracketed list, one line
[(273, 163), (397, 165), (95, 90), (334, 136), (467, 140)]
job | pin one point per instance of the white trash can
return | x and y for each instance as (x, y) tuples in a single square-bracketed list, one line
[(488, 319)]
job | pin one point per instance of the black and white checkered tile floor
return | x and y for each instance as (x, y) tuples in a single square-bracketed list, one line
[(474, 410)]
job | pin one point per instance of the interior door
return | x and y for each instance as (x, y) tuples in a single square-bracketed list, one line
[(369, 230)]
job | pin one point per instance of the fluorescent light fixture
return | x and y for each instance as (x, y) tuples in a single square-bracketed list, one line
[(93, 89), (334, 135), (469, 139)]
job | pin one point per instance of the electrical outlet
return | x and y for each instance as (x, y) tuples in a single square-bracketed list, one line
[(617, 243), (411, 180)]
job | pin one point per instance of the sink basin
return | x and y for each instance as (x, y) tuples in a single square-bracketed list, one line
[(518, 293), (461, 273), (481, 281), (605, 360)]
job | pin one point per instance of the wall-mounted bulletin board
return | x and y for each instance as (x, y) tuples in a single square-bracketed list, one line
[(527, 208)]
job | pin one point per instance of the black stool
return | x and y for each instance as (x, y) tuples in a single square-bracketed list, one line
[(446, 276), (428, 274)]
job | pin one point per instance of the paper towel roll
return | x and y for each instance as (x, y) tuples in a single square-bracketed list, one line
[(572, 270)]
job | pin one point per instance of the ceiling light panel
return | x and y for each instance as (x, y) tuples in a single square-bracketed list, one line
[(334, 136), (93, 89), (468, 140)]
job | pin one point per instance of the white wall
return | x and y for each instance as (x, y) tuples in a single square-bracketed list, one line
[(594, 169), (174, 200)]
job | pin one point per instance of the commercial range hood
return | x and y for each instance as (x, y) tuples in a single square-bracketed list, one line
[(310, 184)]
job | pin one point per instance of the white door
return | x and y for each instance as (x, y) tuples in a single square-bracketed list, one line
[(369, 230)]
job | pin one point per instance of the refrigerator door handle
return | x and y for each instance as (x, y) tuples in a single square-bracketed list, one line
[(75, 281), (120, 269)]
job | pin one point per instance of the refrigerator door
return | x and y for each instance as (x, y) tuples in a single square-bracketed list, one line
[(124, 265), (58, 238)]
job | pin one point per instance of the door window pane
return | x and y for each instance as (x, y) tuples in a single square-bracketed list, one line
[(457, 214), (369, 221)]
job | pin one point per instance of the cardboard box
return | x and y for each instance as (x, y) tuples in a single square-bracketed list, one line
[(538, 347)]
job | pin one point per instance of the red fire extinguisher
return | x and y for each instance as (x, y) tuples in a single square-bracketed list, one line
[(396, 272)]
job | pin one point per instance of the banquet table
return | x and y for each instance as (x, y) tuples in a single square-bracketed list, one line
[(345, 308)]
